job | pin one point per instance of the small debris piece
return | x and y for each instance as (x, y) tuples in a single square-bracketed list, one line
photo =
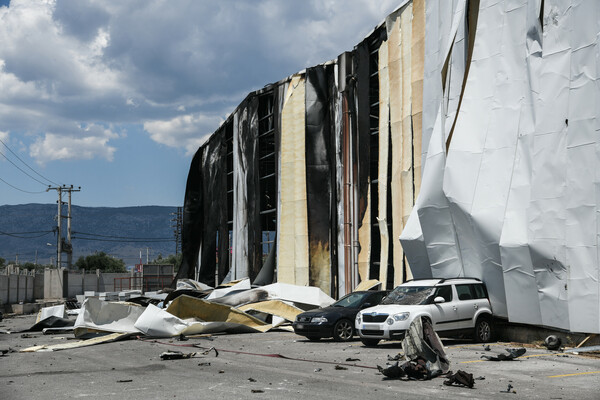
[(257, 391), (460, 378), (182, 338), (252, 379), (27, 336), (392, 371), (318, 369), (124, 380), (204, 364), (175, 355), (397, 357), (414, 369), (552, 342), (487, 347), (352, 359), (508, 389), (340, 368), (512, 354), (221, 372)]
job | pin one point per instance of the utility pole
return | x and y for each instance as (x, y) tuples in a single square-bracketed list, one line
[(178, 223), (63, 246)]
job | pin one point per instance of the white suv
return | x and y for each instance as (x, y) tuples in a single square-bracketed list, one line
[(456, 305)]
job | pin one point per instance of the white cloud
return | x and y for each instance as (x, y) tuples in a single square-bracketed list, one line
[(181, 64), (188, 131), (91, 143), (4, 136)]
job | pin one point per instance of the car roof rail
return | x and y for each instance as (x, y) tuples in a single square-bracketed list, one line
[(459, 277), (420, 279)]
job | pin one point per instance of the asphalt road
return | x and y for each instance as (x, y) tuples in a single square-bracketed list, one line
[(245, 368)]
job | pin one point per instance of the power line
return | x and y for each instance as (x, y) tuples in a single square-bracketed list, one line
[(126, 240), (25, 237), (21, 190), (27, 165), (20, 169), (121, 237)]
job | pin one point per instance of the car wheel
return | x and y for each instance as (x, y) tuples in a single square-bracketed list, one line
[(483, 330), (369, 342), (343, 331), (313, 338)]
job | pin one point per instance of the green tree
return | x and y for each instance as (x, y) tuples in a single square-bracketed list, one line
[(30, 265), (101, 261), (2, 262), (172, 259)]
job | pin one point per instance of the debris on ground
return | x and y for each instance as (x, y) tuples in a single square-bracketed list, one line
[(175, 355), (423, 352), (553, 342), (509, 389), (460, 378), (194, 309), (339, 367), (510, 354)]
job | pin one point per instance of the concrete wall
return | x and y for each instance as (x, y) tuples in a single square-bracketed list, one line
[(18, 286), (108, 281), (23, 286), (55, 281), (38, 286)]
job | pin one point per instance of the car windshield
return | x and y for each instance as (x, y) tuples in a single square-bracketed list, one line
[(352, 300), (407, 295)]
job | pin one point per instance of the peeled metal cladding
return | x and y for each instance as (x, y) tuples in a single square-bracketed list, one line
[(467, 129), (509, 193)]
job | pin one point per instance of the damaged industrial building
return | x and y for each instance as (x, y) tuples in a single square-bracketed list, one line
[(459, 138)]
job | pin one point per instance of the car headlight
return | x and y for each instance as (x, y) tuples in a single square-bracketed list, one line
[(358, 319), (403, 316), (318, 320)]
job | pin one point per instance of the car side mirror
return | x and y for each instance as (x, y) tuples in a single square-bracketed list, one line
[(365, 305), (439, 299)]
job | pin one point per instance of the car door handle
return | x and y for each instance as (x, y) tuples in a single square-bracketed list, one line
[(454, 308), (475, 306)]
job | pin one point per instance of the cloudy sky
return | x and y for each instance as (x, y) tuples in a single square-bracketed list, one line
[(115, 96)]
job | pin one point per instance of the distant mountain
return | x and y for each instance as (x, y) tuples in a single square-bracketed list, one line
[(122, 232)]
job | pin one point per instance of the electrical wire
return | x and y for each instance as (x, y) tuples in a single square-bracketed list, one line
[(125, 240), (20, 169), (120, 237), (27, 165), (25, 237), (21, 190)]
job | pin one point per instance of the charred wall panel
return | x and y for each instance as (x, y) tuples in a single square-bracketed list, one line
[(215, 195), (362, 123), (191, 231), (253, 187), (319, 188)]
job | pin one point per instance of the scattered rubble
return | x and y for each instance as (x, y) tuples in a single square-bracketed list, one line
[(191, 309), (510, 354), (460, 378), (423, 352)]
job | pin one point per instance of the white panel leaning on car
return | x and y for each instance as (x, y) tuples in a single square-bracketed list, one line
[(454, 306)]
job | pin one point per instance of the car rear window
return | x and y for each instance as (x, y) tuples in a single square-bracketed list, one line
[(470, 292)]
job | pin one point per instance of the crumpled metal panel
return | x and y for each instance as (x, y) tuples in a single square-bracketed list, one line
[(512, 199)]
